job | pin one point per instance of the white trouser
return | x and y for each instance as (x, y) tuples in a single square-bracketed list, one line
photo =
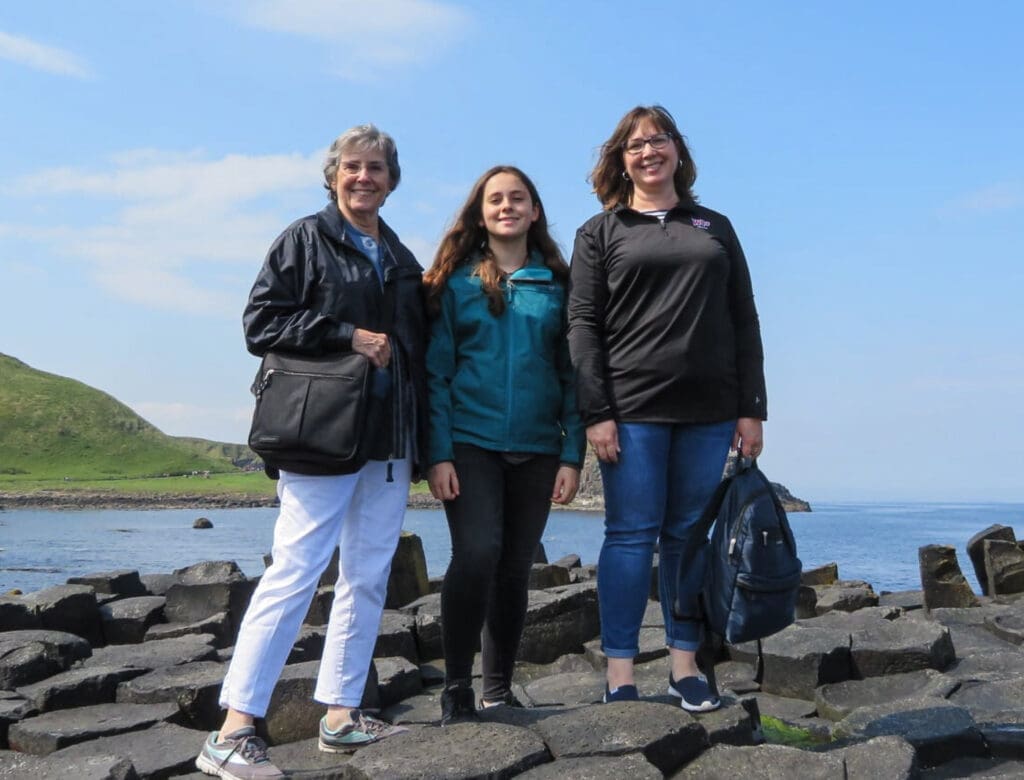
[(360, 513)]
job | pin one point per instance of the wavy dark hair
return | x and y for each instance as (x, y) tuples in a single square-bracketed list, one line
[(611, 185), (467, 239)]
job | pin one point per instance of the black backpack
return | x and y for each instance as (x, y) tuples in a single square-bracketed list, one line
[(752, 573)]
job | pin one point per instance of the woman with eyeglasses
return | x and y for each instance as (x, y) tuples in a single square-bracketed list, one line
[(666, 346), (336, 281), (505, 436)]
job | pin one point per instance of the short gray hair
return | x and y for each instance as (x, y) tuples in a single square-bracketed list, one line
[(364, 138)]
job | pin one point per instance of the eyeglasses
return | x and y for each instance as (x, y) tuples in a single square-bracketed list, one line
[(657, 141)]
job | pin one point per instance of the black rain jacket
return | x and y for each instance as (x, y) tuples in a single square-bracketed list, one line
[(662, 324), (315, 288)]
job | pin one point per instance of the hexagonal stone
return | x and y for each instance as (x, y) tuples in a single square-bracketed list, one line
[(16, 614), (29, 655), (837, 700), (546, 575), (157, 654), (767, 761), (123, 582), (1004, 566), (906, 600), (989, 665), (304, 760), (218, 626), (826, 574), (633, 766), (990, 700), (77, 687), (976, 550), (844, 597), (894, 646), (558, 621), (652, 647), (459, 750), (195, 688), (70, 608), (125, 621), (799, 659), (52, 731), (1008, 626), (427, 613), (890, 757), (162, 751), (567, 688), (21, 766), (407, 580), (395, 636), (667, 736), (397, 679), (938, 729), (13, 708), (943, 583)]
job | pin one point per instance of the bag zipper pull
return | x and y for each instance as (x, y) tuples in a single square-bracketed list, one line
[(391, 476), (764, 537), (732, 545)]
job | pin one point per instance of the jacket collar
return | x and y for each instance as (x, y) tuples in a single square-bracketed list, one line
[(685, 206), (330, 220)]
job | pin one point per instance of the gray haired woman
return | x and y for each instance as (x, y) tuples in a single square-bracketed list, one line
[(322, 289)]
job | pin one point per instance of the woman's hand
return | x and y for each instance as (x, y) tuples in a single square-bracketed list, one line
[(375, 346), (749, 437), (567, 482), (604, 438), (443, 481)]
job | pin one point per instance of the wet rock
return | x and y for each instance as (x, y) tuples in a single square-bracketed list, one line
[(217, 626), (201, 523), (161, 751), (798, 659), (16, 614), (772, 762), (123, 582), (28, 655), (408, 579), (633, 766), (844, 596), (894, 646), (938, 729), (976, 550), (1004, 566), (890, 757), (70, 608), (126, 621), (21, 766), (668, 737), (990, 700), (546, 575), (52, 731), (395, 637), (837, 700), (206, 589), (77, 687), (397, 679), (195, 687), (942, 581), (157, 654), (460, 750), (826, 574), (558, 621)]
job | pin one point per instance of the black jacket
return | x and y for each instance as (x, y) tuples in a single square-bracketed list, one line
[(315, 288), (662, 324)]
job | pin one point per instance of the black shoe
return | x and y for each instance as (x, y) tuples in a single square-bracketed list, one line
[(457, 704), (508, 700)]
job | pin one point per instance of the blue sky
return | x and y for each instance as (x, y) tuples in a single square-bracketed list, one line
[(869, 154)]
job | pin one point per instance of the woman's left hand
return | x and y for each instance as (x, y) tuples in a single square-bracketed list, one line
[(567, 482), (749, 437)]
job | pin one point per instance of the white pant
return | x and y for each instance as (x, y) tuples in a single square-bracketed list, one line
[(360, 513)]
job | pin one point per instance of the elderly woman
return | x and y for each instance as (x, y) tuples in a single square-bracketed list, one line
[(666, 344), (334, 281)]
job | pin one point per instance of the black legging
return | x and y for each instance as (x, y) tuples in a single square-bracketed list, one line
[(495, 523)]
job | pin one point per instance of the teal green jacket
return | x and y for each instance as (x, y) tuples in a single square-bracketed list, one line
[(503, 383)]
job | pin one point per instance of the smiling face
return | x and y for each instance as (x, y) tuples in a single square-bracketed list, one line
[(508, 210), (651, 170), (363, 183)]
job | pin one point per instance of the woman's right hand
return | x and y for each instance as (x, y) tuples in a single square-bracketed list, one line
[(375, 346), (604, 438), (443, 481)]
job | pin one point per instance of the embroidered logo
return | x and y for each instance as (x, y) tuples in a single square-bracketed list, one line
[(703, 224)]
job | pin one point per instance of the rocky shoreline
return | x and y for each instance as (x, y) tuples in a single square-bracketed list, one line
[(116, 675)]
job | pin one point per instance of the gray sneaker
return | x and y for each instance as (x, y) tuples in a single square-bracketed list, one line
[(240, 755), (361, 731)]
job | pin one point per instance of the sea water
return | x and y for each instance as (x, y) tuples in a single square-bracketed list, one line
[(870, 541)]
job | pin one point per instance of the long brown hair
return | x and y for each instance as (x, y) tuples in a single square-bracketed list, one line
[(611, 184), (467, 237)]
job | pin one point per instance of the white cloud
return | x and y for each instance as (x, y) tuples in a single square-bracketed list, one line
[(996, 197), (223, 423), (41, 57), (365, 36), (173, 218)]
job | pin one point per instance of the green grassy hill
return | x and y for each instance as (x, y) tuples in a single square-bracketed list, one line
[(54, 428)]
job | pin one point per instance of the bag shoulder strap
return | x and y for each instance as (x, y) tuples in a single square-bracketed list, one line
[(699, 532)]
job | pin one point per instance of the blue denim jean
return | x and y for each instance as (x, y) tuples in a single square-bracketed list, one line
[(653, 496)]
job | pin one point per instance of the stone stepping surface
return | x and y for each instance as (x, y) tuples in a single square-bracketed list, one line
[(52, 731)]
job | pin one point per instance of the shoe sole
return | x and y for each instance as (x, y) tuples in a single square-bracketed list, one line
[(207, 767), (709, 707), (326, 747)]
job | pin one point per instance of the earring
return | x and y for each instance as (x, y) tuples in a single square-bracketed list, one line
[(625, 176), (680, 163)]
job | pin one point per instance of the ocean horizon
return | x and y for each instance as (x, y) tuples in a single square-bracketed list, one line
[(872, 541)]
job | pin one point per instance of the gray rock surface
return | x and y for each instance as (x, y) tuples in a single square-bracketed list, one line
[(126, 621), (942, 582), (633, 766), (976, 550), (77, 687), (162, 751), (826, 574), (1004, 566), (395, 636), (29, 655), (837, 700), (217, 626), (157, 654), (397, 679), (844, 597), (895, 646), (798, 659), (70, 608), (20, 766), (408, 578), (194, 687), (765, 762), (123, 582), (890, 757), (52, 731)]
